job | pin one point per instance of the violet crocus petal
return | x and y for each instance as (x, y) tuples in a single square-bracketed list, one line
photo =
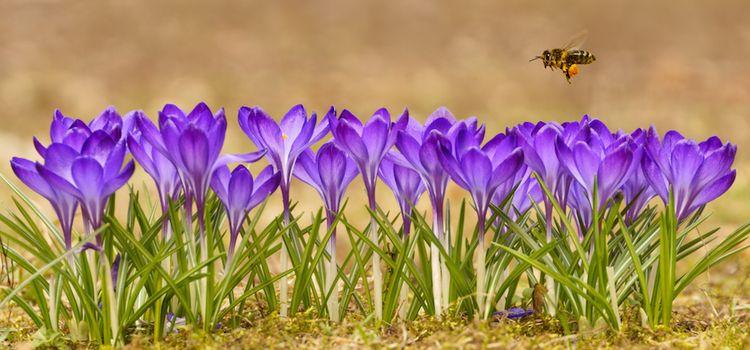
[(201, 116), (88, 177), (348, 138), (655, 177), (685, 162), (478, 170), (717, 162), (375, 137), (150, 133), (27, 173), (220, 183), (713, 191), (247, 118), (239, 189), (216, 135), (293, 121), (113, 184), (40, 147), (272, 137), (113, 163), (349, 117), (194, 150), (439, 119), (586, 165), (409, 148), (710, 144), (545, 149), (60, 125), (143, 158), (508, 168), (98, 146), (302, 139), (56, 181), (307, 171), (60, 159), (455, 169), (613, 171), (321, 130), (385, 171), (266, 182)]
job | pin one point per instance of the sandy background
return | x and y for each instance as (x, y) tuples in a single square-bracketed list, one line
[(676, 66)]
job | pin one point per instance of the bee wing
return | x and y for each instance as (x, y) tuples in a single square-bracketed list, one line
[(576, 40)]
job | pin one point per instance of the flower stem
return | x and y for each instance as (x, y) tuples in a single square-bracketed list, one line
[(376, 273), (333, 299), (284, 258), (437, 285), (481, 269)]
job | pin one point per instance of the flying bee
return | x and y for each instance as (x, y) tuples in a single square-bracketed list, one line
[(567, 58)]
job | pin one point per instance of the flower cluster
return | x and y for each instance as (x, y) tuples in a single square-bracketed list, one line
[(585, 167)]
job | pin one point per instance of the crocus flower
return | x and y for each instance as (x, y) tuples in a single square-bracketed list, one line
[(193, 144), (158, 166), (64, 204), (74, 132), (697, 173), (406, 186), (419, 147), (91, 175), (283, 142), (636, 190), (481, 172), (329, 172), (240, 193), (367, 145)]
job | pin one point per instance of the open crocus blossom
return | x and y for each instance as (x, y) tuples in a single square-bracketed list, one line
[(636, 190), (240, 193), (283, 142), (193, 144), (696, 173), (329, 172), (367, 145), (91, 175)]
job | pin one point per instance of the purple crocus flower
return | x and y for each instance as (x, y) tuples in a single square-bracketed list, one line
[(406, 185), (597, 158), (240, 193), (284, 141), (193, 144), (64, 204), (158, 166), (367, 145), (419, 147), (481, 171), (91, 175), (696, 173), (636, 190), (74, 132), (329, 172)]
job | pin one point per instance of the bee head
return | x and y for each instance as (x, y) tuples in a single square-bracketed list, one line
[(546, 55)]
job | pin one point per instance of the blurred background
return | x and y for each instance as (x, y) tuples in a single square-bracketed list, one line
[(677, 66)]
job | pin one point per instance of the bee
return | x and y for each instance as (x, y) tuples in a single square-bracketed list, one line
[(537, 300), (567, 58)]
